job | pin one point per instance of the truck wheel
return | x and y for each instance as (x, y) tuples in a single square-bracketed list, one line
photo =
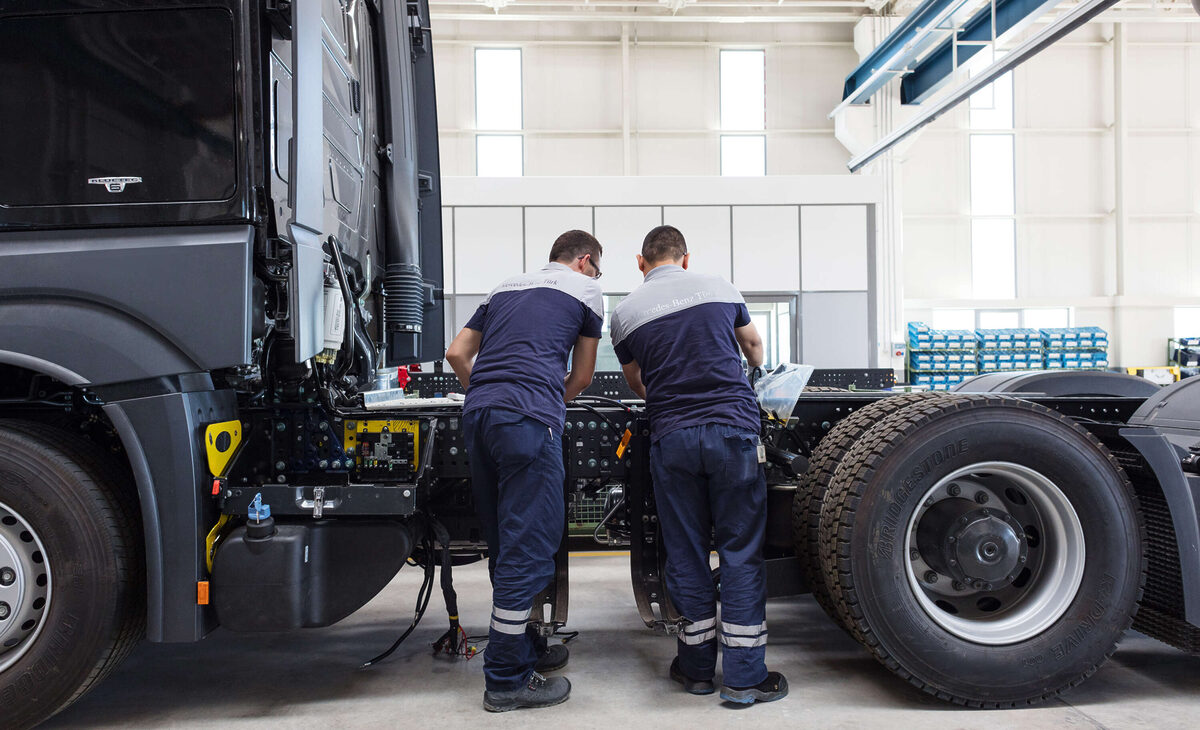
[(988, 550), (72, 600), (822, 464)]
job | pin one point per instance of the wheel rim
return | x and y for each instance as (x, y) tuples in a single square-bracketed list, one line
[(25, 586), (995, 553)]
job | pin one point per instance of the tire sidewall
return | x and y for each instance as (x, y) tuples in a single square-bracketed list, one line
[(1100, 610), (85, 589)]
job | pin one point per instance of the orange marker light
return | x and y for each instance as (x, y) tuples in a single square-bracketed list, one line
[(202, 593)]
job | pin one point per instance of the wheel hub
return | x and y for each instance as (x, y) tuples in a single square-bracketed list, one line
[(24, 586), (976, 546)]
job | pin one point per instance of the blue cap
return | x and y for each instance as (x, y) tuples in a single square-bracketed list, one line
[(257, 510)]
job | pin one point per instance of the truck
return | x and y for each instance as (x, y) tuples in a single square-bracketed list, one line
[(220, 237)]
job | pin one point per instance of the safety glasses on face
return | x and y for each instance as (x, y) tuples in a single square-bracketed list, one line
[(595, 268)]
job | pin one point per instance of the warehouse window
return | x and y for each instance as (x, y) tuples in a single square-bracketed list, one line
[(743, 109), (1187, 321), (498, 108), (993, 191)]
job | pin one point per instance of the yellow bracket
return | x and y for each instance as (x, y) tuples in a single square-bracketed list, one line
[(211, 541), (222, 442), (354, 428)]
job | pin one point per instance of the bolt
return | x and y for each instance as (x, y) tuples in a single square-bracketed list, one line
[(324, 426), (280, 465), (281, 426), (351, 424), (986, 512), (987, 586), (952, 538), (1022, 558), (7, 577), (953, 490), (953, 561), (4, 611), (914, 554), (323, 464), (979, 585), (931, 577), (981, 497), (281, 478), (956, 586)]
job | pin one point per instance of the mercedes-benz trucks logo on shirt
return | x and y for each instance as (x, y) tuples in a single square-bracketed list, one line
[(114, 184)]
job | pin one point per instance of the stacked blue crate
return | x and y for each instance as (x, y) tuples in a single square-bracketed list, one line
[(1009, 349), (940, 358), (1075, 348)]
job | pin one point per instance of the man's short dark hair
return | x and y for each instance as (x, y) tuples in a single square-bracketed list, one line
[(573, 244), (664, 243)]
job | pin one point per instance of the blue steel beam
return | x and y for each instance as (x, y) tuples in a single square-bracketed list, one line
[(910, 29), (937, 67)]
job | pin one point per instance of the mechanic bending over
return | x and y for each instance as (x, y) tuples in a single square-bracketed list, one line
[(677, 337), (513, 416)]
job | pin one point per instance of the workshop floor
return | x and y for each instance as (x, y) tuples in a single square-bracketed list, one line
[(618, 668)]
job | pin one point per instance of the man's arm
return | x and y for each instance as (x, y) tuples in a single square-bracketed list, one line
[(583, 366), (461, 354), (633, 376), (751, 344)]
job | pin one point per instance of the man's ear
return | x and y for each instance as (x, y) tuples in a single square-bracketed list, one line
[(686, 257), (641, 263)]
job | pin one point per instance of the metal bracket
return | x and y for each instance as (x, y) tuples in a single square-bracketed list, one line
[(646, 556)]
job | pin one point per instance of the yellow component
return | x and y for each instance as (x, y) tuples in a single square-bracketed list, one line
[(624, 443), (353, 428), (1161, 374), (222, 441), (211, 541)]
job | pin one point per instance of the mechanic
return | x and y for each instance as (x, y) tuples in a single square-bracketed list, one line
[(513, 416), (677, 337)]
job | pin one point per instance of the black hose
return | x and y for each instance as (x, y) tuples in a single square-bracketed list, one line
[(602, 399), (423, 596), (351, 314), (606, 419)]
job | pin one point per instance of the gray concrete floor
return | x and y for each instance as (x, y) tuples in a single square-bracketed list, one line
[(618, 668)]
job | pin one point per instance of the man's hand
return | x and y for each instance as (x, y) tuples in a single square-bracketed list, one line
[(633, 376), (751, 344), (583, 366), (461, 354)]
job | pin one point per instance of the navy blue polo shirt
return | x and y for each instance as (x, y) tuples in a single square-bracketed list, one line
[(678, 326), (529, 324)]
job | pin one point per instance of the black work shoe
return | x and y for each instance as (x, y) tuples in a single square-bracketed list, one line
[(693, 686), (537, 692), (555, 657), (774, 687)]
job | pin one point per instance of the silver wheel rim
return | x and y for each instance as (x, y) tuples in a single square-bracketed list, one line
[(25, 586), (1018, 522)]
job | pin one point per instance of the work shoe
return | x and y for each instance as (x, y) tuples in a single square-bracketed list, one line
[(693, 686), (555, 657), (774, 687), (537, 692)]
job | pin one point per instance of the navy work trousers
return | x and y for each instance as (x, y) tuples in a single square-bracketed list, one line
[(707, 480), (517, 478)]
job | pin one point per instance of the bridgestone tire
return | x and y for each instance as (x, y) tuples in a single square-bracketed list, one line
[(822, 464), (69, 491), (880, 486)]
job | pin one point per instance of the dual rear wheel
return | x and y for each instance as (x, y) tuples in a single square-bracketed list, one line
[(986, 549)]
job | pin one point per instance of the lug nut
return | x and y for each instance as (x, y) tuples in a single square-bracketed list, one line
[(931, 577), (981, 497), (954, 490), (914, 554), (5, 611), (7, 577)]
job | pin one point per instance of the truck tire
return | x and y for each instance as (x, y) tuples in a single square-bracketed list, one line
[(810, 493), (986, 549), (74, 586)]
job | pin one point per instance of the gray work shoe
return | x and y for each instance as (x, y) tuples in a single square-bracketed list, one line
[(774, 687), (555, 657), (537, 692), (692, 686)]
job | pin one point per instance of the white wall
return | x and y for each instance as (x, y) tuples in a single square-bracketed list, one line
[(576, 103), (1068, 194), (808, 237)]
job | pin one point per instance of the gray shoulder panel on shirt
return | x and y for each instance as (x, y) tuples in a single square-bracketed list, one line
[(666, 295), (582, 288)]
